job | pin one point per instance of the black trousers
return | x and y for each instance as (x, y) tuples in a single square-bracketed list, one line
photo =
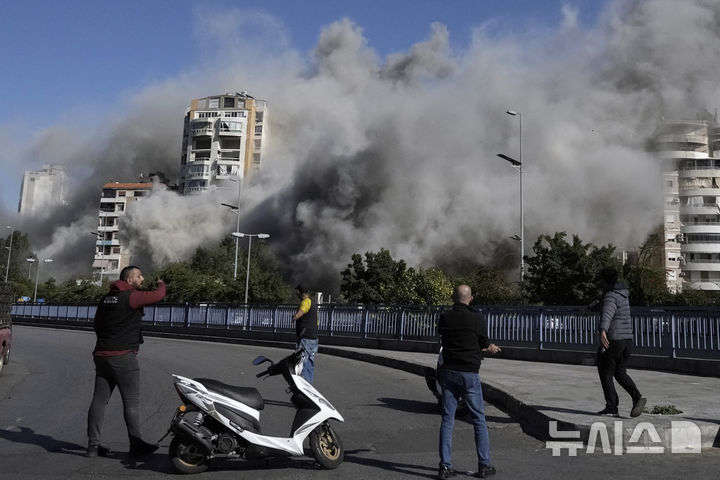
[(612, 363), (123, 372)]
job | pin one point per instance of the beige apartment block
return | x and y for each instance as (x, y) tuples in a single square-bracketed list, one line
[(223, 141)]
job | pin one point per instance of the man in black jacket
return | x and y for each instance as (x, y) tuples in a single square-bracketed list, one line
[(464, 339), (117, 328)]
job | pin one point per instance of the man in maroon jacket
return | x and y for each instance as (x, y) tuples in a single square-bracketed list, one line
[(117, 326)]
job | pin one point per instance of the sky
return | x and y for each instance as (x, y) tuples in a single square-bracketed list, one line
[(385, 120)]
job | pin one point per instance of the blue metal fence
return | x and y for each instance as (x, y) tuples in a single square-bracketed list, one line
[(673, 331)]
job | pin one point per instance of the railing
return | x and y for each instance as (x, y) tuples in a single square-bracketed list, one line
[(671, 332)]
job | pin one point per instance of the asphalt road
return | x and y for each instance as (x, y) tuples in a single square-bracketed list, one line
[(390, 429)]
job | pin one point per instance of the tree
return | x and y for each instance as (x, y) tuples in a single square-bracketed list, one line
[(379, 279), (208, 276), (433, 287), (20, 251), (490, 287), (563, 273), (647, 279)]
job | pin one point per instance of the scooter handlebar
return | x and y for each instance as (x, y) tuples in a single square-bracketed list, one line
[(277, 368)]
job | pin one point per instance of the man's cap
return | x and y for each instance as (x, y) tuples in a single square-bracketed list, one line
[(301, 289)]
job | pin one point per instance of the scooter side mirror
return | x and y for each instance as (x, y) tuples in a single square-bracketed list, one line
[(261, 359)]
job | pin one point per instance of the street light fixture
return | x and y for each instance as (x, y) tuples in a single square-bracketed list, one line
[(30, 260), (37, 277), (239, 235), (517, 165), (102, 253), (7, 269)]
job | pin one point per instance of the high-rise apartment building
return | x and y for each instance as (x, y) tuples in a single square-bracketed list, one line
[(43, 189), (223, 141), (111, 255), (691, 228)]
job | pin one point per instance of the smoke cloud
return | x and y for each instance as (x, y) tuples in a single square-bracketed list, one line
[(400, 153)]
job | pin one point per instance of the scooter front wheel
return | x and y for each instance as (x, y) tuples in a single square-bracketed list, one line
[(186, 456), (326, 446)]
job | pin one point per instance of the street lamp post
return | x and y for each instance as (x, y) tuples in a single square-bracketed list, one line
[(236, 211), (7, 268), (517, 165), (37, 276), (247, 272), (30, 260)]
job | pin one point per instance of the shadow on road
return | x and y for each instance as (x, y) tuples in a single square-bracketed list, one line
[(28, 435), (408, 469)]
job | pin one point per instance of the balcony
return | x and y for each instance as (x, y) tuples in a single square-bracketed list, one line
[(702, 266), (687, 154), (233, 129), (693, 138), (200, 160), (206, 130), (197, 175), (703, 285), (688, 248)]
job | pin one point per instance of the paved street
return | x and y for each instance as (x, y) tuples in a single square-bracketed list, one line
[(390, 430)]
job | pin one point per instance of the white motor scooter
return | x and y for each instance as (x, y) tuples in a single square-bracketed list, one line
[(220, 421)]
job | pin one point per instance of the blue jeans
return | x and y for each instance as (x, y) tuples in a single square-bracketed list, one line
[(310, 348), (467, 384)]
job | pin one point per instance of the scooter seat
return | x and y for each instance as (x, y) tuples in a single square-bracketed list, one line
[(247, 395)]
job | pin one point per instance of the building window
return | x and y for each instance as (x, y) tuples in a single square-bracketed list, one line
[(669, 183), (259, 117), (121, 193), (214, 103), (258, 130), (228, 102)]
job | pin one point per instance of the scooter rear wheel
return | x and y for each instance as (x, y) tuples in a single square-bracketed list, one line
[(326, 446), (186, 456)]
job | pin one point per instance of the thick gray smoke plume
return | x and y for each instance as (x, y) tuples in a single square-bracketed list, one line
[(400, 153)]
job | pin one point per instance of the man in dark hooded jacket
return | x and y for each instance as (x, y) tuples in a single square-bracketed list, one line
[(117, 327), (616, 338)]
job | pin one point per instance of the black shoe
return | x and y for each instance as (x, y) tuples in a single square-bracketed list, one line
[(610, 412), (138, 448), (97, 451), (485, 471), (638, 407), (445, 472)]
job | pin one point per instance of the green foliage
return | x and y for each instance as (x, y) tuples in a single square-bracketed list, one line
[(379, 279), (76, 291), (647, 279), (433, 287), (563, 273), (20, 251), (208, 276), (490, 287), (664, 410)]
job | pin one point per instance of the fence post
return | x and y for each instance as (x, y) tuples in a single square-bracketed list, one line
[(331, 320), (673, 345), (187, 315), (540, 319), (401, 324), (364, 320)]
